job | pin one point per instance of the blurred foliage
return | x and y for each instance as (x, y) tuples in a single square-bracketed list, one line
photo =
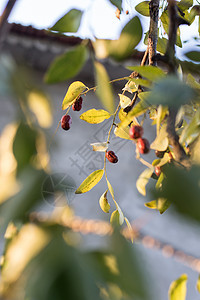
[(42, 259)]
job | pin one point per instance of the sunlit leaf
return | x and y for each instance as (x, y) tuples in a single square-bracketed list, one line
[(177, 289), (124, 100), (160, 204), (150, 72), (192, 130), (67, 65), (100, 147), (110, 188), (69, 22), (104, 89), (122, 115), (103, 202), (143, 180), (114, 219), (121, 215), (40, 106), (192, 82), (129, 228), (143, 8), (122, 132), (27, 244), (74, 90), (193, 55), (90, 182), (161, 142), (95, 116), (198, 284), (139, 81), (128, 40)]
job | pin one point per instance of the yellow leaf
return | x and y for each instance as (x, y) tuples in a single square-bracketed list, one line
[(103, 202), (110, 188), (95, 116), (104, 89), (123, 133), (130, 229), (114, 219), (161, 141), (121, 215), (143, 180), (177, 289), (124, 101), (74, 90), (100, 147), (90, 182), (122, 115), (39, 104)]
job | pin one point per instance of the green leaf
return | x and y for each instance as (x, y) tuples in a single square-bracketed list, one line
[(143, 8), (185, 4), (94, 116), (170, 91), (192, 82), (124, 100), (73, 92), (66, 65), (165, 22), (114, 219), (121, 215), (128, 40), (161, 141), (122, 132), (193, 55), (177, 289), (69, 22), (139, 81), (90, 182), (150, 72), (117, 3), (104, 89), (162, 45), (161, 204), (103, 202), (192, 130), (198, 284), (138, 110), (143, 180)]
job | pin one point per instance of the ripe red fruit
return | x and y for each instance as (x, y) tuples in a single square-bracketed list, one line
[(66, 122), (136, 132), (157, 170), (77, 105), (111, 156), (143, 145)]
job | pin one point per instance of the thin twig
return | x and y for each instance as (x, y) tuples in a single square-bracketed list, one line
[(4, 26)]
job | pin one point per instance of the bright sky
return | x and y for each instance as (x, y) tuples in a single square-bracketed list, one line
[(98, 20)]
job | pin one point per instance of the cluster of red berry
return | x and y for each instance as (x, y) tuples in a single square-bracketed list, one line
[(136, 133), (66, 120)]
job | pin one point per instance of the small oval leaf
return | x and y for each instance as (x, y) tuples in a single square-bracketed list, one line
[(95, 116), (74, 90), (104, 89), (114, 219), (123, 133), (161, 142), (103, 202), (124, 101), (70, 22), (177, 289), (143, 8), (90, 182), (100, 147), (143, 180)]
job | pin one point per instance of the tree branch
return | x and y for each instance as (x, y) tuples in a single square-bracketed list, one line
[(153, 30), (4, 26)]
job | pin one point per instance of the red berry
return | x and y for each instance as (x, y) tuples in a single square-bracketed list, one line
[(111, 156), (66, 122), (136, 132), (157, 170), (143, 145), (77, 105), (159, 154)]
